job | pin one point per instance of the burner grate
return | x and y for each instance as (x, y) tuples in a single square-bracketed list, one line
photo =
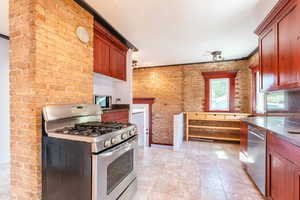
[(93, 129)]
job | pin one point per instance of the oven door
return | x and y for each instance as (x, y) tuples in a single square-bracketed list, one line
[(114, 170)]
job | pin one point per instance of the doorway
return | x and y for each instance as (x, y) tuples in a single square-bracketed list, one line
[(142, 117), (4, 119)]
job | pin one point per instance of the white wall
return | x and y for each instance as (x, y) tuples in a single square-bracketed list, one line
[(105, 85), (4, 103), (178, 131), (138, 118), (136, 108)]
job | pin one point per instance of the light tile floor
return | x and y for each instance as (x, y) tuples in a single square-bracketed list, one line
[(4, 181), (199, 171)]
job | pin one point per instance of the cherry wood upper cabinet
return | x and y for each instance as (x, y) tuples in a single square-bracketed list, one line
[(101, 56), (117, 59), (279, 42), (109, 54), (288, 33), (268, 67)]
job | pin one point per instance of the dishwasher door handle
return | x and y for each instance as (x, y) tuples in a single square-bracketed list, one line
[(257, 135)]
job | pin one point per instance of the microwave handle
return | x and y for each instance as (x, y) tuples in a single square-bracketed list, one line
[(123, 148)]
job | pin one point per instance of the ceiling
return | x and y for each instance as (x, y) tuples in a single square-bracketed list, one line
[(180, 31), (183, 31), (4, 17)]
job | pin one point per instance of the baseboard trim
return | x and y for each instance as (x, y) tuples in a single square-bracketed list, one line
[(168, 146), (165, 144)]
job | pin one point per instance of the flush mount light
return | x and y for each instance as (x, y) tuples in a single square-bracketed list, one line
[(217, 55), (82, 34)]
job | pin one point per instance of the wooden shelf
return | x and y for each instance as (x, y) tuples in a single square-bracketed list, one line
[(219, 120), (209, 121), (214, 138), (215, 127)]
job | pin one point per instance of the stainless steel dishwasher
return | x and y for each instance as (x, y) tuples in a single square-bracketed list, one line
[(256, 164)]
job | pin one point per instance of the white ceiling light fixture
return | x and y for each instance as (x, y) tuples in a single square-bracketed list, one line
[(82, 34), (135, 57), (217, 55)]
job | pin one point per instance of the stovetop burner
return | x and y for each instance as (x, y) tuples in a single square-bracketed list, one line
[(93, 129)]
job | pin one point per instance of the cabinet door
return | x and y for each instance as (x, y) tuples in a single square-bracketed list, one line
[(288, 33), (101, 55), (117, 63), (268, 66), (297, 184), (119, 116), (279, 177)]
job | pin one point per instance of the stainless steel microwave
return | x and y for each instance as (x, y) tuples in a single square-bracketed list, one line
[(104, 101)]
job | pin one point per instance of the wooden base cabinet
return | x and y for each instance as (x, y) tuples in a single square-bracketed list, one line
[(280, 177), (283, 170), (117, 116), (296, 184)]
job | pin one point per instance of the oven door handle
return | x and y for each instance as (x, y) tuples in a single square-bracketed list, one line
[(123, 148)]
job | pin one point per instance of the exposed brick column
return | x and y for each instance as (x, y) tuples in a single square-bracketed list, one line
[(48, 65)]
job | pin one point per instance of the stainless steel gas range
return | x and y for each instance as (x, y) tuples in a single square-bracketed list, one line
[(84, 158)]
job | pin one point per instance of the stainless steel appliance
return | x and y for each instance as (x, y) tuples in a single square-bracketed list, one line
[(256, 163), (104, 101), (84, 158)]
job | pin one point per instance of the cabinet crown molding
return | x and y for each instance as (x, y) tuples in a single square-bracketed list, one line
[(272, 14)]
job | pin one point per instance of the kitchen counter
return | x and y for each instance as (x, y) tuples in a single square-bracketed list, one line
[(279, 126), (115, 110)]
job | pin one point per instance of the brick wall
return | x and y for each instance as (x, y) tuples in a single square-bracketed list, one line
[(48, 65), (165, 84), (181, 88), (254, 60), (194, 95)]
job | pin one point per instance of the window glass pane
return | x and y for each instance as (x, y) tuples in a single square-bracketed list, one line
[(260, 96), (219, 94), (277, 101)]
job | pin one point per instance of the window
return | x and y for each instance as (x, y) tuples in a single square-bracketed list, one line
[(258, 97), (219, 94), (219, 91), (277, 101)]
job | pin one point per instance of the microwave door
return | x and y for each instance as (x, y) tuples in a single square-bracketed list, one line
[(103, 101)]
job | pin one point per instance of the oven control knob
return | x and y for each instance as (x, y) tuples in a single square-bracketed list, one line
[(113, 140), (131, 133), (124, 136), (107, 143)]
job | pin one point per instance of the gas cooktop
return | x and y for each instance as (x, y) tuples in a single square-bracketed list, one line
[(93, 129), (82, 123)]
